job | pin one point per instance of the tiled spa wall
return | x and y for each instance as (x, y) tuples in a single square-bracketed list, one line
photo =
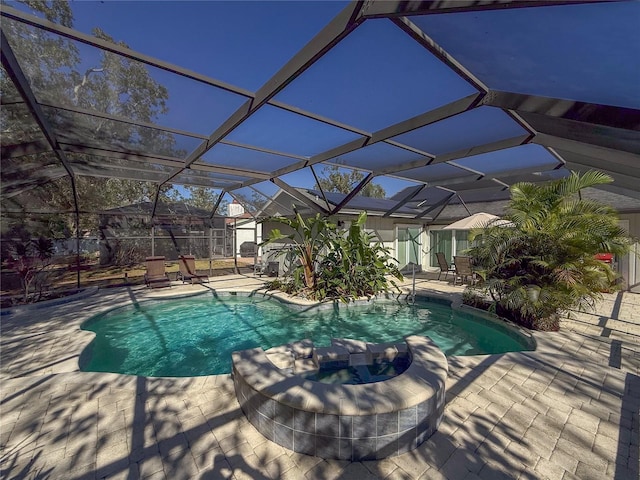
[(345, 437)]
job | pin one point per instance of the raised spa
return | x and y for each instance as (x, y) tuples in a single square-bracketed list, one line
[(365, 421)]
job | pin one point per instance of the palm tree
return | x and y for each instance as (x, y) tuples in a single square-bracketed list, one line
[(307, 239), (544, 264)]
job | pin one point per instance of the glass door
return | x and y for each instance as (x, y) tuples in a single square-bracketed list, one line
[(441, 241), (409, 245)]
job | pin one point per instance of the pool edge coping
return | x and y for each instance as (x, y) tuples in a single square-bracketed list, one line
[(127, 296)]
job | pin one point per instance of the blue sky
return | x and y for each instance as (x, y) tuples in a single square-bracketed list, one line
[(377, 75), (241, 43)]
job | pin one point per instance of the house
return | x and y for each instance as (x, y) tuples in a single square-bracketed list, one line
[(247, 232), (411, 225), (129, 234)]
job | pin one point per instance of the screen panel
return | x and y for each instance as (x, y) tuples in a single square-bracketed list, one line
[(273, 128), (469, 129), (378, 156), (82, 76), (374, 78), (82, 129), (243, 43), (17, 127), (435, 173), (524, 156), (236, 156), (585, 52)]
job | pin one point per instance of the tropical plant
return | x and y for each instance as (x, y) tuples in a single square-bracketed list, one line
[(307, 240), (545, 263), (356, 265), (331, 264), (29, 258)]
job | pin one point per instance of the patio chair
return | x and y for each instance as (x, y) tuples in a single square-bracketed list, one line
[(261, 268), (267, 267), (188, 271), (464, 270), (444, 265), (156, 276)]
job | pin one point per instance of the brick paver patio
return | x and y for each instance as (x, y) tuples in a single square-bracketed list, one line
[(569, 410)]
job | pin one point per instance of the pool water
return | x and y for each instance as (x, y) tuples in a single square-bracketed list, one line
[(196, 336), (357, 375)]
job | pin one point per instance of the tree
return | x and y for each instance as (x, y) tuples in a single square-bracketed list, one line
[(545, 264), (344, 182), (48, 55), (115, 85), (356, 265), (308, 240), (200, 197)]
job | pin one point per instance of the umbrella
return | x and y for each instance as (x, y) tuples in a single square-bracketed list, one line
[(477, 220)]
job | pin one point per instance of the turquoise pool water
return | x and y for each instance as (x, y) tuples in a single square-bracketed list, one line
[(195, 336)]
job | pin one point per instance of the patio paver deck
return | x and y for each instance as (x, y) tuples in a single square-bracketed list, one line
[(569, 410)]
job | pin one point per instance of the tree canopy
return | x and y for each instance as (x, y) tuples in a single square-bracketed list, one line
[(335, 180), (113, 85)]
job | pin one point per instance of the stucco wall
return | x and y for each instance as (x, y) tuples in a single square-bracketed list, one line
[(629, 267)]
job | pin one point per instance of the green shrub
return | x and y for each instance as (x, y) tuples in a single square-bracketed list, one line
[(332, 265), (544, 264), (29, 258)]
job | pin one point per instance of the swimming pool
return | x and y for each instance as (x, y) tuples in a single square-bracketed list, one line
[(196, 335)]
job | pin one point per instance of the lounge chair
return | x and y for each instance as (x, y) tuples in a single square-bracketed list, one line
[(188, 271), (464, 270), (444, 265), (156, 276)]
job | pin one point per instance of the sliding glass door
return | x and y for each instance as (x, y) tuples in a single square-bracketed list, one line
[(409, 245), (441, 241), (449, 242)]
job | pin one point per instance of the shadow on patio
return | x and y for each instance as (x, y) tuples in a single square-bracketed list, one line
[(508, 416)]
